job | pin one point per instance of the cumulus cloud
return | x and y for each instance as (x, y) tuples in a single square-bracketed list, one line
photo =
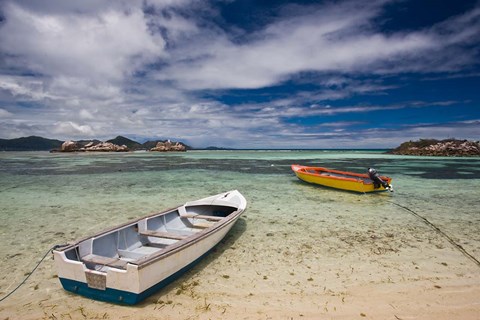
[(323, 38), (156, 68), (106, 46), (70, 128)]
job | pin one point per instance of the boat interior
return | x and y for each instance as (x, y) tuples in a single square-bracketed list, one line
[(135, 242), (358, 177)]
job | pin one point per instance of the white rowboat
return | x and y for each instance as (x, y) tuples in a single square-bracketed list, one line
[(130, 262)]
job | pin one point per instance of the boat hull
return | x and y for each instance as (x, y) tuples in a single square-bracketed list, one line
[(124, 280), (343, 180), (125, 296)]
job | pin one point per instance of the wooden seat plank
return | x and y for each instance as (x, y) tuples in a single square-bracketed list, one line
[(200, 225), (162, 234), (105, 261), (204, 217)]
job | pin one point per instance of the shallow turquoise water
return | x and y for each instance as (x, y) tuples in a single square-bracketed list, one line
[(48, 199)]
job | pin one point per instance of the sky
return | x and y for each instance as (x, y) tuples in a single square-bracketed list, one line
[(241, 74)]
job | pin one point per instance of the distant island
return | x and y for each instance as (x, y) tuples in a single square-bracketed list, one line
[(422, 147), (432, 147), (119, 144), (32, 143)]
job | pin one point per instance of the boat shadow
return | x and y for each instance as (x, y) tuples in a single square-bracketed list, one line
[(226, 243)]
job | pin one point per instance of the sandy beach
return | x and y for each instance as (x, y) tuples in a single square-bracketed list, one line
[(335, 289), (371, 275)]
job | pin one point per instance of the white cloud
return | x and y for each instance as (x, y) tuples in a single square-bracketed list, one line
[(86, 115), (28, 88), (107, 46), (4, 113), (329, 38), (70, 128), (462, 129)]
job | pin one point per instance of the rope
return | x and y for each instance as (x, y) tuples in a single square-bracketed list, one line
[(434, 227), (26, 278)]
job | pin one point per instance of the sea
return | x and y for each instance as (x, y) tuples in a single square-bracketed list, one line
[(293, 238)]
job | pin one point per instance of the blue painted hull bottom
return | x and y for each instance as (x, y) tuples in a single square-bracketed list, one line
[(119, 296)]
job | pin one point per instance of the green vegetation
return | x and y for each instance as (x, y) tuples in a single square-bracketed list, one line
[(32, 143), (432, 147)]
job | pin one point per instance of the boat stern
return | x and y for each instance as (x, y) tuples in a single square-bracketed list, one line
[(110, 285)]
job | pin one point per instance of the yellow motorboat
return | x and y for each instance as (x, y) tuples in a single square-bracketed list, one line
[(350, 181)]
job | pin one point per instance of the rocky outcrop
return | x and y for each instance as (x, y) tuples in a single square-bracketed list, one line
[(127, 145), (107, 147), (431, 147), (69, 146), (169, 146), (72, 146)]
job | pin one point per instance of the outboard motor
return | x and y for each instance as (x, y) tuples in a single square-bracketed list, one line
[(377, 181)]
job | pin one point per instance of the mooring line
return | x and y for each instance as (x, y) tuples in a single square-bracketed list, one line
[(456, 245), (31, 272)]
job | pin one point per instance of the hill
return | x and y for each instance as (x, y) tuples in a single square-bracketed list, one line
[(132, 145), (213, 148), (149, 145), (32, 143)]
